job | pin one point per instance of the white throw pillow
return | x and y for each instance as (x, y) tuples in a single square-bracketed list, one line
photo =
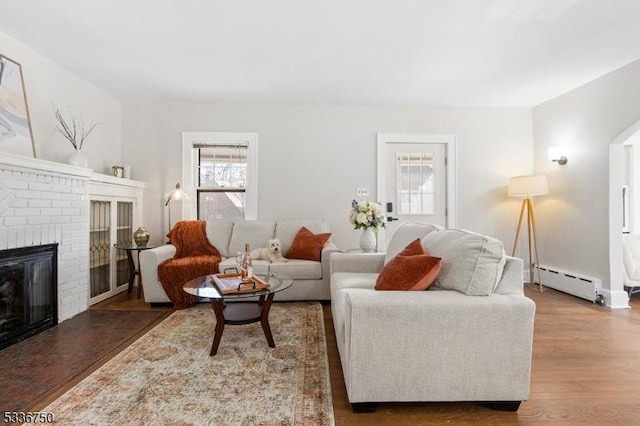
[(471, 263), (252, 232), (219, 234), (404, 235)]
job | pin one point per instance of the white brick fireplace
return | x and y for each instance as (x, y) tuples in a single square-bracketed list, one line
[(42, 202)]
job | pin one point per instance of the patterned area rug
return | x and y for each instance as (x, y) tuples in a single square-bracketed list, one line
[(168, 377)]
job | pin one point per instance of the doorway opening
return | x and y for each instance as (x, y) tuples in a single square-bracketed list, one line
[(624, 207)]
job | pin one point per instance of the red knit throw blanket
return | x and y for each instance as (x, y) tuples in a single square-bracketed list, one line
[(195, 257)]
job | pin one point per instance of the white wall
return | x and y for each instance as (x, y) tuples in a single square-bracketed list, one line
[(312, 159), (573, 221), (48, 85)]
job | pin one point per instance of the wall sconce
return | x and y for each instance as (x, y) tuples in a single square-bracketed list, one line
[(557, 155)]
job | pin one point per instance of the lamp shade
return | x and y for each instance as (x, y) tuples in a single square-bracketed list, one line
[(527, 186), (176, 194)]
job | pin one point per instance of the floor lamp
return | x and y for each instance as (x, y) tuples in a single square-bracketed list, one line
[(176, 194), (527, 187)]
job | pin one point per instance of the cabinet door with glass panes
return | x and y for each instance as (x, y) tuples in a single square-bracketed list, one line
[(111, 222), (113, 219)]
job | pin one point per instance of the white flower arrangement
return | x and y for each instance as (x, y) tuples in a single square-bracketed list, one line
[(365, 214)]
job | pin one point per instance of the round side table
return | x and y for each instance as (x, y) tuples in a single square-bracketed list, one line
[(133, 271)]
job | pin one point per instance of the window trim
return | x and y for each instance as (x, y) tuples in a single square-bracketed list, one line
[(189, 139)]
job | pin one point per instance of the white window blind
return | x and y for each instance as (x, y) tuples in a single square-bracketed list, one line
[(221, 180)]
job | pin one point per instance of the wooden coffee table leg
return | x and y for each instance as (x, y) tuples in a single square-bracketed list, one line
[(264, 320), (218, 306)]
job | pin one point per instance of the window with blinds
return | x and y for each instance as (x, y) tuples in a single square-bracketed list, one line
[(221, 180)]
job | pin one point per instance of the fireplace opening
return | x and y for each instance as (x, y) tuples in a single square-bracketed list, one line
[(28, 292)]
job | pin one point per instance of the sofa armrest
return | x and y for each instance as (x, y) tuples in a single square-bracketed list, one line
[(325, 258), (512, 281), (330, 247), (150, 259), (357, 262), (404, 337)]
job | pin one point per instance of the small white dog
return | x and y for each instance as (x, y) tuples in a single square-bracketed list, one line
[(272, 252)]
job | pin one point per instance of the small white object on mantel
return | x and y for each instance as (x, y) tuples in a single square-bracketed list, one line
[(78, 159)]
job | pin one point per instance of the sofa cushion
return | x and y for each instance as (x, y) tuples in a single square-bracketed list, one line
[(308, 245), (406, 234), (190, 239), (286, 230), (219, 235), (299, 269), (471, 263), (412, 269), (252, 232)]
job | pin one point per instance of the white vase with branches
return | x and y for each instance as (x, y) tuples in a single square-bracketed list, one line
[(74, 131)]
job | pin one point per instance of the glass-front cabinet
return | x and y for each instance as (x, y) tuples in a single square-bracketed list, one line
[(115, 213)]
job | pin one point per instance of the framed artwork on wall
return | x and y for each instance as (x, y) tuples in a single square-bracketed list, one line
[(16, 136)]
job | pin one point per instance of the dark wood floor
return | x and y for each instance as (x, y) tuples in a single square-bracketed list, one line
[(45, 365), (584, 370)]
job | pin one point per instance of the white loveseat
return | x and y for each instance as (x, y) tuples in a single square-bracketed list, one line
[(440, 344), (311, 278)]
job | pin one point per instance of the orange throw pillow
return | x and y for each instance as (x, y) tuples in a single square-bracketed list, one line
[(412, 269), (307, 245), (414, 248)]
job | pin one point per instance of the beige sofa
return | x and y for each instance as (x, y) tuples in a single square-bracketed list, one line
[(311, 278), (440, 344)]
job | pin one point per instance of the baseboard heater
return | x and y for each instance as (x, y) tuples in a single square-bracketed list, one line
[(588, 288)]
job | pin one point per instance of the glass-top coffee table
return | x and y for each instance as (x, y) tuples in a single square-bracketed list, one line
[(239, 312)]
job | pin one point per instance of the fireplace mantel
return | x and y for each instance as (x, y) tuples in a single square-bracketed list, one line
[(20, 163), (45, 202)]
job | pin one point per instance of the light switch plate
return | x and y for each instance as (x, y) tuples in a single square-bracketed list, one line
[(363, 192)]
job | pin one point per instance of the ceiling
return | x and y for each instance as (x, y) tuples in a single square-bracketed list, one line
[(357, 52)]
